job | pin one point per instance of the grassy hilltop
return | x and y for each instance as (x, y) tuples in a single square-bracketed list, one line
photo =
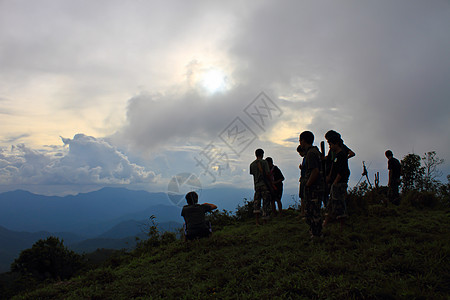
[(393, 252)]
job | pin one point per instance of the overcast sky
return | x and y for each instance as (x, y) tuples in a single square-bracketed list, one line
[(131, 93)]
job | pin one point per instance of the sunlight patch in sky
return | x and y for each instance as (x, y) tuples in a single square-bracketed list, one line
[(209, 74), (284, 131), (214, 80)]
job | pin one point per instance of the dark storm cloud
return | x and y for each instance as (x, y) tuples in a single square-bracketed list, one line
[(155, 121), (377, 72), (382, 67), (97, 47), (381, 71)]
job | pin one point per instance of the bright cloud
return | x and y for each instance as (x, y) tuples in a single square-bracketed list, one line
[(86, 161)]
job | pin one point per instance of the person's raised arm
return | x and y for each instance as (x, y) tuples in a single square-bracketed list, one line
[(213, 206), (350, 154)]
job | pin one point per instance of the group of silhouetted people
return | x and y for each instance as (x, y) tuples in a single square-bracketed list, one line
[(268, 184), (323, 183)]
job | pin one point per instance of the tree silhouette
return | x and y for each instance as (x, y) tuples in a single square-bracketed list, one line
[(431, 163), (421, 174), (412, 173), (47, 258)]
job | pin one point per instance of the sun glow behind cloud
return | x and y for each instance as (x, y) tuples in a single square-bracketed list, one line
[(209, 74), (214, 81)]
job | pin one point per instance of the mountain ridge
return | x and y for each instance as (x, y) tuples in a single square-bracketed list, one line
[(25, 211)]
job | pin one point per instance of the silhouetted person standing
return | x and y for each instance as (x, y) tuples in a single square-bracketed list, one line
[(302, 181), (277, 180), (259, 168), (395, 169), (338, 180), (313, 193), (331, 134)]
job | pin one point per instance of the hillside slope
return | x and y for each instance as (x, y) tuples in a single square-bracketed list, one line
[(395, 252)]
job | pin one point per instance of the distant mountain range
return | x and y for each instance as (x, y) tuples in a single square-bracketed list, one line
[(100, 219), (87, 214), (109, 218), (90, 214)]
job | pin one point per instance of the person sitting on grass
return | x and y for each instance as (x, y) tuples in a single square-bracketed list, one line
[(196, 226)]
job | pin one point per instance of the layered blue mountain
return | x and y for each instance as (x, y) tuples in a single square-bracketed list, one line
[(90, 214), (86, 214)]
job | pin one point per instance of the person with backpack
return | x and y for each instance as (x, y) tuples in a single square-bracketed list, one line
[(276, 177), (395, 169), (259, 168), (331, 156), (337, 179), (196, 226)]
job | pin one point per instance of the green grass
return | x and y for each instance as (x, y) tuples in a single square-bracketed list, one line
[(390, 253)]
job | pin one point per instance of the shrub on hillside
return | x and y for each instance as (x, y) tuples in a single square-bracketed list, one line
[(356, 199), (220, 219), (360, 189), (362, 196), (168, 237), (444, 193), (356, 205), (245, 212), (377, 195), (420, 199), (155, 237)]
